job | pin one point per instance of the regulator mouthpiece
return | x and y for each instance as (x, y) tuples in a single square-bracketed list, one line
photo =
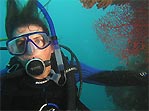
[(36, 67)]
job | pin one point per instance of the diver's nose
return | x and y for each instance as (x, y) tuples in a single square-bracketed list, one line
[(30, 48)]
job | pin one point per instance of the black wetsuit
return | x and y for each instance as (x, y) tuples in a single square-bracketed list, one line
[(22, 93), (26, 93)]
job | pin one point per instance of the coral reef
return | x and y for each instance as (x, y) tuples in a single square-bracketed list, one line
[(124, 31)]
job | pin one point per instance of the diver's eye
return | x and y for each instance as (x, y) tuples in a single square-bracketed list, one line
[(39, 41), (20, 42)]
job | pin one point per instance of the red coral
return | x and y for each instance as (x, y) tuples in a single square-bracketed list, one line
[(125, 29)]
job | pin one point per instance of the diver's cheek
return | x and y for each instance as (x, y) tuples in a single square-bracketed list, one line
[(44, 54), (23, 59)]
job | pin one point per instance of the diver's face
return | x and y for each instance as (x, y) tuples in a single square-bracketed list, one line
[(32, 51)]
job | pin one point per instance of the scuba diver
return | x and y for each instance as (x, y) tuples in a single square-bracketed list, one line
[(39, 76)]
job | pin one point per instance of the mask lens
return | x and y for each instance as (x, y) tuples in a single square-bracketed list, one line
[(41, 40), (17, 45)]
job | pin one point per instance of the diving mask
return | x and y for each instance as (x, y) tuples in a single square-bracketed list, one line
[(18, 45)]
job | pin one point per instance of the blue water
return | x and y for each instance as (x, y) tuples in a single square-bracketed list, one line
[(75, 28)]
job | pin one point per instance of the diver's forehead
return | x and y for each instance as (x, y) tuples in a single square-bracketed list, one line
[(27, 29)]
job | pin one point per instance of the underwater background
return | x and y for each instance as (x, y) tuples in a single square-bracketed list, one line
[(75, 28)]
